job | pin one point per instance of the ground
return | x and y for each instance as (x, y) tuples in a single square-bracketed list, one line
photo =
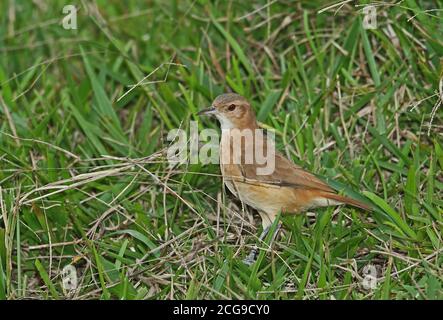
[(86, 190)]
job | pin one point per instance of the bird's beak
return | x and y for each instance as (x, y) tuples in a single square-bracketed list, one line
[(207, 112)]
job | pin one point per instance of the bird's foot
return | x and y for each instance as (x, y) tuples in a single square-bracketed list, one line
[(251, 258)]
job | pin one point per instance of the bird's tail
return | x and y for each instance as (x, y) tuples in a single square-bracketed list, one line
[(346, 200)]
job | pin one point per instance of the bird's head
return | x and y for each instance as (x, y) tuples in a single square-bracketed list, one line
[(232, 111)]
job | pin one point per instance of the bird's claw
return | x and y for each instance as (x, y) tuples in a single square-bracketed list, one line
[(251, 258)]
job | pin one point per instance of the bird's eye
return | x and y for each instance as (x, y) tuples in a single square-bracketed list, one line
[(231, 107)]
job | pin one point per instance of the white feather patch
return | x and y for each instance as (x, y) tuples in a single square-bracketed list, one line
[(324, 202)]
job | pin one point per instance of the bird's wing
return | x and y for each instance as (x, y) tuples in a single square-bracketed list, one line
[(285, 174)]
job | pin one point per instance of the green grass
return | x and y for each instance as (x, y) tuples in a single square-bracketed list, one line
[(83, 174)]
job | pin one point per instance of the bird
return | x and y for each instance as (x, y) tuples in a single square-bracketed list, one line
[(288, 189)]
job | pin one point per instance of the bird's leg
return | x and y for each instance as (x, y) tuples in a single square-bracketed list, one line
[(250, 259)]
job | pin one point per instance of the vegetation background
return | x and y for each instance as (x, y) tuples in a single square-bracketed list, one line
[(84, 116)]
